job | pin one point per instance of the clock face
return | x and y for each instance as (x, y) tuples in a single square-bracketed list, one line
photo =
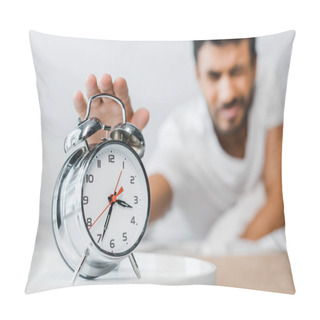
[(115, 198)]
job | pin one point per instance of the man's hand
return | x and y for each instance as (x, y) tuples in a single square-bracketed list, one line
[(107, 110)]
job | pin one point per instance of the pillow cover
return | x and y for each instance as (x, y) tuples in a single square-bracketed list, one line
[(213, 153)]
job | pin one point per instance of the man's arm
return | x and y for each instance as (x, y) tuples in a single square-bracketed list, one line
[(161, 196), (271, 215)]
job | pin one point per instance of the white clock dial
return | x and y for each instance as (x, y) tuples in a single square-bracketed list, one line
[(115, 199)]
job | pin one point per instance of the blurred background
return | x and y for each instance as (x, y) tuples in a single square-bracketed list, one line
[(160, 75)]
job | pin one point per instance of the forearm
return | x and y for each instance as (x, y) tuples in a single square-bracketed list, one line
[(269, 218), (161, 196)]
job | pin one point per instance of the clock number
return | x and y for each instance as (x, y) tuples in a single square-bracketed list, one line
[(89, 222), (136, 200), (99, 235), (112, 243), (133, 220), (111, 158), (89, 178), (85, 200), (132, 179), (124, 236)]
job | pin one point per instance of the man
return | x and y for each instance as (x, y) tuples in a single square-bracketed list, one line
[(219, 158)]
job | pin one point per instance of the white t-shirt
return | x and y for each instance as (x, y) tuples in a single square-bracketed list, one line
[(210, 187)]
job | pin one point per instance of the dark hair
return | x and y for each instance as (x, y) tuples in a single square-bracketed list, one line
[(197, 44)]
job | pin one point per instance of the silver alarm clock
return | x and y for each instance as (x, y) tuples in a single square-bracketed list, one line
[(101, 200)]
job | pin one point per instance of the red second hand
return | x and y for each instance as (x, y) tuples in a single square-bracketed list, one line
[(100, 215), (118, 182), (114, 199)]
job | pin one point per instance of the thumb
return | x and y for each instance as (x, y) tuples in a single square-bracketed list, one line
[(140, 118)]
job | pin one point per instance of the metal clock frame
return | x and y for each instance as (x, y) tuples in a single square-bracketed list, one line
[(74, 241)]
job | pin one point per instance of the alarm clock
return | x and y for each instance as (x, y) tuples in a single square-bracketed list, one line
[(101, 199)]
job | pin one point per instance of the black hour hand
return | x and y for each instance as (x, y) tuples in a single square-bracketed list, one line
[(123, 203)]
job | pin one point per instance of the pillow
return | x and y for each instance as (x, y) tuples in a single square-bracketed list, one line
[(213, 157)]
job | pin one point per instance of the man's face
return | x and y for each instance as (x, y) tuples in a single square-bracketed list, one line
[(226, 76)]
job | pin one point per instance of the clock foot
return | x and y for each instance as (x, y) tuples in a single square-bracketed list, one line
[(79, 267), (134, 265)]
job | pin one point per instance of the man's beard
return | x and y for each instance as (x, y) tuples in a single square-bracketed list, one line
[(244, 105)]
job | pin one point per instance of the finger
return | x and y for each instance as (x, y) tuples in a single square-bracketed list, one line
[(140, 118), (105, 84), (91, 86), (121, 91), (80, 104)]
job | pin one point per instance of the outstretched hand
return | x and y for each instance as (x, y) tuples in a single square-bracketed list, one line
[(107, 110)]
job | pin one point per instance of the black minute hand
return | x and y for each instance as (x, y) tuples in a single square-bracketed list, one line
[(107, 220), (123, 203)]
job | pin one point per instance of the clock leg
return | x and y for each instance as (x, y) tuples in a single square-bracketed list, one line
[(134, 265), (87, 145), (79, 267)]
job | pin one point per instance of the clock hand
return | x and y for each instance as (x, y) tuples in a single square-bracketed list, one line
[(100, 214), (123, 203), (113, 199), (117, 182), (114, 196), (119, 192), (107, 221)]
